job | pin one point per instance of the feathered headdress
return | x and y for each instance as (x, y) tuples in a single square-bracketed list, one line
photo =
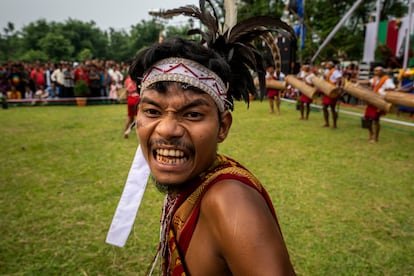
[(234, 41)]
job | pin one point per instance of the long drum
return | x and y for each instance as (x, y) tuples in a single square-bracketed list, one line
[(368, 96), (400, 98), (306, 89), (273, 84), (328, 89)]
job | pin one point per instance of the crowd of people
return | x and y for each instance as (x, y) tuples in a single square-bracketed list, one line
[(24, 80)]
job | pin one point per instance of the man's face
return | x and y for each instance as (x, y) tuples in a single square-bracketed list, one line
[(179, 131), (378, 72), (270, 70)]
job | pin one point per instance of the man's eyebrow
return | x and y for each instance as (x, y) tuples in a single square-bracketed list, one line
[(149, 101), (195, 103)]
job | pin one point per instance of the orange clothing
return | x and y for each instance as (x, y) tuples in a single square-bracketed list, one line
[(16, 95)]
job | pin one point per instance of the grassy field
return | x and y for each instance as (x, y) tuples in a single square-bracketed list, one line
[(345, 206)]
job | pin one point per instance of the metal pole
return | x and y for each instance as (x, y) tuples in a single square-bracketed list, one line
[(408, 35), (302, 36), (377, 23), (335, 30)]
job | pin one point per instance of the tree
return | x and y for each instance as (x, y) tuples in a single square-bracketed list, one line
[(33, 33), (321, 16), (143, 34), (56, 46), (85, 35), (34, 55), (119, 48), (250, 8), (85, 54), (9, 43)]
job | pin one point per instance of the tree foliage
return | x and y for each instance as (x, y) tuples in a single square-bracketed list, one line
[(67, 40), (321, 16), (56, 46)]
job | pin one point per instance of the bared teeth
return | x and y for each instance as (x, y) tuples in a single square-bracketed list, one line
[(170, 156), (170, 152)]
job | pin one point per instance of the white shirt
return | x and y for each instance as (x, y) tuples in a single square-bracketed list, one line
[(335, 76), (388, 84)]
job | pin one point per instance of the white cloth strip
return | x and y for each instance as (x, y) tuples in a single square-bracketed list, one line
[(130, 200)]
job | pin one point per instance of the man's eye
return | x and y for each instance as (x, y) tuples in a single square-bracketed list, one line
[(193, 115), (151, 112)]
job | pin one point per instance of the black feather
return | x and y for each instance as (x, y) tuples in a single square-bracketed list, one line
[(236, 45)]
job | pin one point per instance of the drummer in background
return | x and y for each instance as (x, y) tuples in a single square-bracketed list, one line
[(334, 76), (380, 83), (273, 95), (306, 74)]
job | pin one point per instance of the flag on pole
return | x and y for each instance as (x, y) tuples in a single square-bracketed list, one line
[(390, 33)]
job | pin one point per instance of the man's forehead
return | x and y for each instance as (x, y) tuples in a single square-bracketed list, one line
[(177, 91)]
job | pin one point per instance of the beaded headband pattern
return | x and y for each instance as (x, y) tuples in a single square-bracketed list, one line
[(188, 72)]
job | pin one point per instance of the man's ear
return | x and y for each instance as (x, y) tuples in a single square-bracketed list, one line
[(225, 123)]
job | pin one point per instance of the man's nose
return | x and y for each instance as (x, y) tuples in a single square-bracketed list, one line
[(169, 126)]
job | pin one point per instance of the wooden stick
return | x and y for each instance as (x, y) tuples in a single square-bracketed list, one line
[(273, 84), (305, 88), (400, 98), (367, 95), (324, 86)]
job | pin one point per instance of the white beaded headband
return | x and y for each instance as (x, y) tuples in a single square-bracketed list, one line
[(188, 72)]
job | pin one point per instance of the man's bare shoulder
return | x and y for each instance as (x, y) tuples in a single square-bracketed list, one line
[(242, 229), (226, 195)]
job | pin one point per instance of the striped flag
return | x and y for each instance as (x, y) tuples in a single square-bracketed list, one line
[(390, 33)]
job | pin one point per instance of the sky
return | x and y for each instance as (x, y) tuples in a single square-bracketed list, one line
[(118, 14)]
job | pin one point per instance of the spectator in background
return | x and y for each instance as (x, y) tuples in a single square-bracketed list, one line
[(69, 80), (49, 69), (16, 78), (132, 102), (94, 81), (28, 94), (117, 76), (13, 93), (58, 77), (113, 92), (79, 73), (53, 91), (101, 73), (38, 76), (107, 81), (40, 95)]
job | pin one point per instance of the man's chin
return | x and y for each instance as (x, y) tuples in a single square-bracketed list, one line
[(167, 188)]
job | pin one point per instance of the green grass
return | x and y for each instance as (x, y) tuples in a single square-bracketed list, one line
[(345, 206)]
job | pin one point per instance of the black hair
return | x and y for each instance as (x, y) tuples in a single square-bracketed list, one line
[(182, 48)]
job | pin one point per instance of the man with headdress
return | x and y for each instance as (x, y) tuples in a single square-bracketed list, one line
[(217, 218)]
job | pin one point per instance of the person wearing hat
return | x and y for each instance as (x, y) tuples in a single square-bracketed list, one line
[(380, 83), (217, 217)]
